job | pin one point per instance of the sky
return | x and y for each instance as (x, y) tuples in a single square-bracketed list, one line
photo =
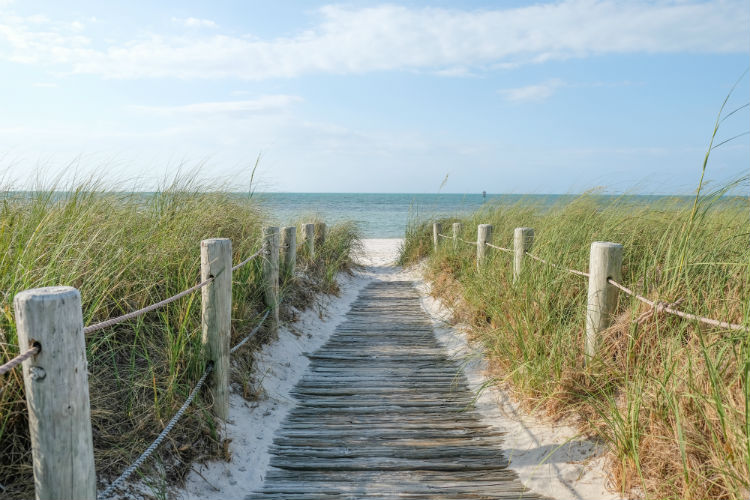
[(363, 96)]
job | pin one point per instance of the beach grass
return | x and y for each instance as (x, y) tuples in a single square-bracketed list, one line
[(668, 397), (124, 251)]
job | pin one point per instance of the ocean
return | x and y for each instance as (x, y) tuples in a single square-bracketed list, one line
[(377, 215), (381, 215)]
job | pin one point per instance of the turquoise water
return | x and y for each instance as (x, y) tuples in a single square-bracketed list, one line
[(378, 215), (386, 215)]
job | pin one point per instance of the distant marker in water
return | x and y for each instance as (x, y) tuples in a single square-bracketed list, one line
[(484, 195)]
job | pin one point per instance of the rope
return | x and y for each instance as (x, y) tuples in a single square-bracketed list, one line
[(499, 248), (446, 237), (140, 312), (469, 242), (248, 259), (573, 271), (109, 492), (242, 342), (660, 306), (19, 359)]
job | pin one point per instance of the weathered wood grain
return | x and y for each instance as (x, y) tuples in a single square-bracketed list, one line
[(523, 239), (57, 392), (384, 413), (288, 252), (484, 236), (457, 230), (308, 238), (216, 317), (605, 262), (271, 275)]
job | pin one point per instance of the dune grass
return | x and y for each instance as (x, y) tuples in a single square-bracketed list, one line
[(123, 252), (668, 397)]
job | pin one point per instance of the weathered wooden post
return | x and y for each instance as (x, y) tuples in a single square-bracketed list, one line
[(288, 251), (216, 317), (320, 234), (436, 228), (271, 273), (523, 238), (484, 236), (57, 392), (457, 229), (308, 237), (605, 262)]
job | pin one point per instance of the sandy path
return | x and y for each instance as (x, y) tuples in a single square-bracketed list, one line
[(550, 459)]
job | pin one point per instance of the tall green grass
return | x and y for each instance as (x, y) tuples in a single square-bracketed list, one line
[(123, 252), (668, 396)]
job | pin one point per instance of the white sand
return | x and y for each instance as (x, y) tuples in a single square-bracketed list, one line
[(550, 459)]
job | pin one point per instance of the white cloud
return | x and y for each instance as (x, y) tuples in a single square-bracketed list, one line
[(532, 93), (44, 85), (235, 109), (455, 71), (389, 37), (192, 22), (542, 91)]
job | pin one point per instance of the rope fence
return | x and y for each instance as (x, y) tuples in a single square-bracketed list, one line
[(658, 306), (250, 335), (5, 368), (109, 492), (32, 351), (260, 251), (661, 306), (66, 306), (144, 310), (573, 271), (499, 248), (160, 304)]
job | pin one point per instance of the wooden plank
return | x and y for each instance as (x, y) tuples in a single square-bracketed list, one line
[(383, 412)]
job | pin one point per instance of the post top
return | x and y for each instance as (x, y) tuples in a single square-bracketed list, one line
[(47, 293), (213, 241), (485, 225), (270, 230), (605, 244), (524, 229)]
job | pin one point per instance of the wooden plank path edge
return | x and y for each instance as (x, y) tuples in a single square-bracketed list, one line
[(384, 413)]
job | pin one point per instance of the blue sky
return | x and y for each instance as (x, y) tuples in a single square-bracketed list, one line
[(514, 97)]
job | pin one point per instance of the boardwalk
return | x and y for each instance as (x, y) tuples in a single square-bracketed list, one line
[(383, 413)]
